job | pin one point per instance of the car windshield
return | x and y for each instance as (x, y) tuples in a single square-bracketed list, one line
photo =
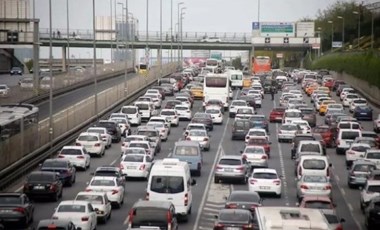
[(244, 197), (310, 148), (109, 183), (360, 148), (6, 200), (146, 215), (167, 184), (264, 175), (315, 179), (230, 162), (318, 204), (41, 177), (289, 127), (373, 155), (314, 164), (128, 110), (131, 151), (71, 208), (93, 199)]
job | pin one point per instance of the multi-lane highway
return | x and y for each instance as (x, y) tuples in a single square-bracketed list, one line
[(209, 197)]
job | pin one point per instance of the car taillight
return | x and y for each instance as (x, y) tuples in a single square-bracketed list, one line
[(327, 187), (219, 226), (147, 196), (279, 131), (88, 190), (80, 157), (61, 156), (263, 157), (231, 206), (97, 145), (169, 218), (277, 182), (19, 209), (350, 152), (121, 166), (77, 144), (85, 218), (218, 167), (114, 191), (53, 187), (205, 139), (241, 168), (304, 186), (247, 226), (252, 181), (54, 217), (186, 199), (253, 207), (142, 167), (188, 138)]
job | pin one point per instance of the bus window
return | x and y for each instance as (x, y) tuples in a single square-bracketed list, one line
[(216, 82)]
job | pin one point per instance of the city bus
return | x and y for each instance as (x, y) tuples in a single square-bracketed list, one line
[(261, 64), (236, 78), (216, 86)]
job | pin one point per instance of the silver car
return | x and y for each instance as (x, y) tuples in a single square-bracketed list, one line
[(199, 136), (232, 167), (287, 132), (256, 156), (315, 185)]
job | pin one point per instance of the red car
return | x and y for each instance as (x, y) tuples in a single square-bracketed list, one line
[(329, 83), (260, 141), (276, 114), (326, 133)]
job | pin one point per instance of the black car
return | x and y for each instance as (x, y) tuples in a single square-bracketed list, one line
[(66, 171), (240, 129), (110, 171), (15, 71), (234, 219), (243, 200), (43, 184), (113, 129), (16, 209), (372, 214), (296, 141), (203, 118)]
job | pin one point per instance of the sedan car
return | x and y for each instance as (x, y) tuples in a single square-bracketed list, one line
[(199, 136), (110, 171), (256, 156), (316, 185), (203, 118), (235, 104), (80, 212), (357, 102), (76, 155), (106, 137), (136, 165), (287, 132), (276, 114), (265, 181), (16, 209), (183, 111), (247, 200), (234, 219), (260, 141), (171, 115), (110, 185), (316, 202), (355, 152), (259, 121), (43, 184), (63, 167), (363, 112), (232, 167), (216, 114), (92, 142), (210, 39), (99, 202)]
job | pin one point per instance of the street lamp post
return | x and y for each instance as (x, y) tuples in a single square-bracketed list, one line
[(372, 24), (182, 13), (160, 39), (332, 32), (358, 13), (111, 26), (177, 36), (340, 17), (68, 35), (147, 35), (126, 49), (51, 77), (171, 30), (94, 59)]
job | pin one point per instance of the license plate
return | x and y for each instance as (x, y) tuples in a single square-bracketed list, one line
[(264, 187), (228, 170), (315, 188), (5, 211), (233, 228), (131, 167), (88, 146), (39, 187), (363, 114)]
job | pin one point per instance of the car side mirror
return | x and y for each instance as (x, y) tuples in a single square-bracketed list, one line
[(193, 182), (342, 220), (330, 165)]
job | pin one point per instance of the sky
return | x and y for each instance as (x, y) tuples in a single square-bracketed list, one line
[(200, 15)]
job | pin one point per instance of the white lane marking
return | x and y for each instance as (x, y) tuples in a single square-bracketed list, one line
[(337, 178), (113, 162), (342, 191), (350, 207), (212, 209), (215, 205), (209, 180), (20, 188), (126, 220)]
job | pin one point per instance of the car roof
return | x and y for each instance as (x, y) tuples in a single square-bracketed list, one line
[(80, 202), (235, 157), (152, 204), (73, 147), (264, 170)]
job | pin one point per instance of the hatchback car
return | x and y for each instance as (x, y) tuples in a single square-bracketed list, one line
[(240, 199), (260, 141), (234, 219), (265, 181), (363, 112), (256, 156), (216, 114), (232, 167), (313, 185), (171, 115), (133, 114), (77, 155)]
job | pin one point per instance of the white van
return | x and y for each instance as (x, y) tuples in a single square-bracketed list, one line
[(236, 78), (345, 138), (170, 180), (313, 165)]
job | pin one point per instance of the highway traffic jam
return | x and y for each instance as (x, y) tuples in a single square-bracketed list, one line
[(295, 150)]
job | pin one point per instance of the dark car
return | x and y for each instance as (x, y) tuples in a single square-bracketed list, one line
[(172, 103), (373, 135), (276, 114), (52, 224), (15, 71), (259, 121), (340, 88), (160, 214), (110, 171), (168, 89), (330, 117), (234, 219), (239, 199), (113, 129), (363, 112), (372, 214), (203, 118), (309, 115), (66, 171), (16, 209), (43, 184), (250, 100), (336, 84), (296, 141), (240, 129)]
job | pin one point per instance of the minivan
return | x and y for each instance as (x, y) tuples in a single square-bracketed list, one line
[(310, 146), (240, 129), (190, 152), (345, 138), (313, 165), (170, 179)]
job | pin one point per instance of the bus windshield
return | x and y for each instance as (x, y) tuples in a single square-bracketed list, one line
[(142, 66)]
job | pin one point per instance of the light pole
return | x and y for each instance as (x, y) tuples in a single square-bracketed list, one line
[(177, 35), (332, 33), (340, 17), (258, 10), (358, 13), (372, 24), (111, 27), (94, 59), (320, 37), (51, 77), (126, 49), (182, 13), (171, 30), (122, 22), (68, 35), (160, 39), (147, 36)]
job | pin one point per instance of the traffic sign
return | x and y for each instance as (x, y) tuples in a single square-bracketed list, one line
[(267, 40), (306, 40), (286, 40)]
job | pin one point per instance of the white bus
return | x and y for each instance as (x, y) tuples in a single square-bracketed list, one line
[(212, 64), (216, 86), (236, 78)]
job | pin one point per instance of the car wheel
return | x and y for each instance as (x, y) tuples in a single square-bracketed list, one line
[(56, 197), (244, 180), (216, 180), (279, 195)]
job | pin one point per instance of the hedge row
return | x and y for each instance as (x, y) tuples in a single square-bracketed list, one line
[(365, 66)]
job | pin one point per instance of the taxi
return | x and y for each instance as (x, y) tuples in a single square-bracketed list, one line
[(323, 106), (197, 92), (247, 82), (325, 89)]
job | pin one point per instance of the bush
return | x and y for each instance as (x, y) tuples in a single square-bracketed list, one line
[(363, 65)]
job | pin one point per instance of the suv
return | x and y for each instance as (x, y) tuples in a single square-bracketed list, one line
[(372, 214), (240, 129), (112, 128), (232, 167), (370, 190), (160, 214), (43, 184), (345, 138)]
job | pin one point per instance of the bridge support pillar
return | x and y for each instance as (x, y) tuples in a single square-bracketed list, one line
[(64, 61)]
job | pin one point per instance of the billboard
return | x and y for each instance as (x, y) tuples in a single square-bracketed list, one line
[(277, 29), (305, 29)]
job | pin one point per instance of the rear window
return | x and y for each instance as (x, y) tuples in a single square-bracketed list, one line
[(264, 175), (310, 148), (373, 188), (167, 184), (186, 151), (315, 179), (134, 158), (72, 152), (242, 124), (363, 168), (103, 183), (93, 199), (373, 155), (168, 113), (40, 177), (144, 215), (349, 135), (128, 110), (147, 133), (314, 164), (54, 164), (87, 138), (5, 200), (71, 208), (139, 145), (230, 162), (130, 151)]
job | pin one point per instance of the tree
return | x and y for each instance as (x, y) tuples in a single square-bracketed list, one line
[(237, 63)]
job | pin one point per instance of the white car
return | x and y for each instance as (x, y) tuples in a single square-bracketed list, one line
[(136, 165), (369, 191), (318, 102), (134, 151), (348, 99), (297, 92), (183, 111), (256, 156), (171, 114), (133, 114), (235, 104), (287, 131), (244, 112), (164, 120), (164, 131), (4, 90), (259, 88), (107, 138), (303, 124), (154, 91), (99, 202), (265, 180), (81, 213), (157, 101), (211, 39), (92, 142), (291, 115), (184, 100), (77, 155), (122, 120), (150, 150), (199, 136), (127, 140), (254, 132), (355, 152), (345, 91), (216, 114), (194, 126), (110, 185), (357, 102)]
